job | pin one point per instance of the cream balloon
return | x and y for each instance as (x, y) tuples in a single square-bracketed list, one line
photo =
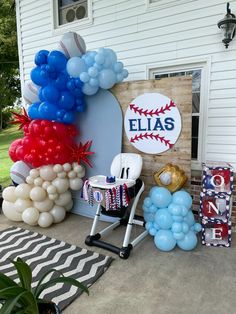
[(29, 180), (34, 173), (23, 191), (58, 213), (51, 189), (45, 220), (69, 206), (9, 210), (8, 194), (57, 168), (44, 206), (72, 174), (38, 194), (46, 184), (30, 216), (21, 205), (76, 184), (61, 185), (67, 167), (81, 174), (78, 168), (47, 173), (53, 196), (63, 199), (62, 175), (38, 181)]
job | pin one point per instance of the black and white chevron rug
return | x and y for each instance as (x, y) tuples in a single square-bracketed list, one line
[(43, 253)]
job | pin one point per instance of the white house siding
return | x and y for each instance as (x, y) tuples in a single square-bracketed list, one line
[(144, 36)]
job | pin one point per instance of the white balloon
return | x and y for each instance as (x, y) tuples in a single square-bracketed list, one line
[(62, 175), (72, 174), (64, 199), (47, 173), (72, 45), (30, 180), (61, 184), (10, 212), (58, 213), (67, 167), (38, 194), (81, 174), (30, 216), (30, 92), (51, 189), (76, 184), (45, 220), (57, 168), (34, 173), (8, 194), (44, 206), (23, 191), (78, 168), (53, 196), (69, 206), (19, 171), (38, 181), (46, 184), (21, 205)]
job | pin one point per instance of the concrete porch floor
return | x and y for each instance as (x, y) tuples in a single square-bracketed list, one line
[(150, 281)]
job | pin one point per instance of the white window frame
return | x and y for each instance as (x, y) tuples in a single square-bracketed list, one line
[(188, 65), (161, 4), (78, 24)]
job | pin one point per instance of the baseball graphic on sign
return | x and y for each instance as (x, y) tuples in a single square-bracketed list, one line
[(152, 123)]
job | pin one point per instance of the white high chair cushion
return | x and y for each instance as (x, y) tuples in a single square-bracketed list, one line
[(127, 164)]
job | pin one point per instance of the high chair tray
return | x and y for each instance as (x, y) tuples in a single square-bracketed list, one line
[(100, 182)]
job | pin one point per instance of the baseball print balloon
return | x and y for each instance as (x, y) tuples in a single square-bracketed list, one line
[(152, 123)]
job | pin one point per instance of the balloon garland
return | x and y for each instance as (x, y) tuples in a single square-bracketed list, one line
[(47, 160)]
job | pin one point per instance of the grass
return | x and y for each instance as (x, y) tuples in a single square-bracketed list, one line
[(7, 136)]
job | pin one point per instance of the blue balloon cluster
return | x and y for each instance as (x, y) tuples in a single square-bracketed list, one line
[(60, 95), (97, 69), (170, 220)]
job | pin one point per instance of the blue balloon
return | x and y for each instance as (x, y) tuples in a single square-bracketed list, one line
[(182, 198), (50, 93), (99, 58), (38, 77), (189, 219), (178, 218), (163, 219), (184, 210), (84, 77), (48, 111), (161, 197), (197, 227), (80, 108), (125, 73), (148, 216), (57, 59), (69, 117), (89, 90), (185, 227), (152, 209), (61, 81), (112, 55), (107, 78), (152, 231), (175, 209), (148, 225), (189, 242), (41, 57), (41, 95), (66, 100), (147, 201), (94, 82), (118, 67), (176, 227), (33, 111), (93, 72), (164, 240), (178, 236), (75, 66)]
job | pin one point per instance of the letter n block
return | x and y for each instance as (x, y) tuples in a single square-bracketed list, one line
[(215, 207), (216, 233)]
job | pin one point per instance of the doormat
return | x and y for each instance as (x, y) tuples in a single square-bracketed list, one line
[(43, 253)]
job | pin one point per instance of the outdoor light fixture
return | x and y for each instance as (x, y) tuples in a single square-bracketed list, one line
[(228, 26)]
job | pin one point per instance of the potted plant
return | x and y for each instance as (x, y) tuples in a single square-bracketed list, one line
[(22, 298)]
